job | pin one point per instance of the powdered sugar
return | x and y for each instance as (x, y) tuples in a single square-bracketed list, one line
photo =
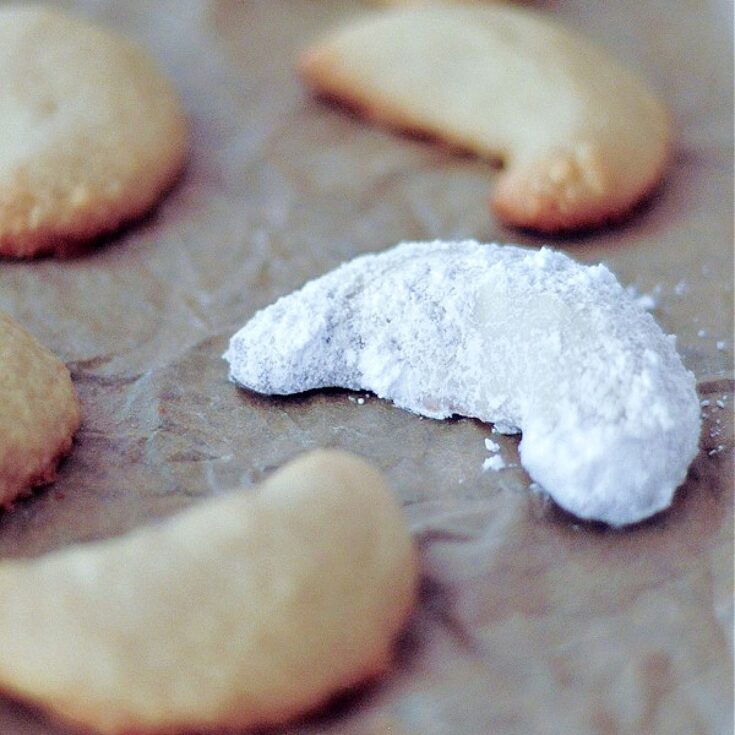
[(521, 338), (496, 462), (647, 301), (491, 446)]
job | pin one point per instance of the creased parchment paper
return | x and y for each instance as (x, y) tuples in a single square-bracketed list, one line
[(529, 621)]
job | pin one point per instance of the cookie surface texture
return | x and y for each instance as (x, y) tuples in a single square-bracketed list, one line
[(245, 610), (91, 134), (513, 336), (581, 138), (39, 412)]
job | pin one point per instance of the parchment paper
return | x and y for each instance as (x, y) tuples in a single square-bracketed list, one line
[(529, 622)]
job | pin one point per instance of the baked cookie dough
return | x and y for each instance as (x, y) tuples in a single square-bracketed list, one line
[(528, 340), (39, 412), (245, 610), (91, 133), (582, 139)]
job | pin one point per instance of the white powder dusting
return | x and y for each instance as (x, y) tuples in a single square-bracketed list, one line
[(702, 333), (491, 446), (521, 338), (647, 301), (495, 463), (501, 427), (721, 344)]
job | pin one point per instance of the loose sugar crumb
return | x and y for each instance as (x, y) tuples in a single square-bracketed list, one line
[(500, 427), (647, 301), (495, 463), (491, 446)]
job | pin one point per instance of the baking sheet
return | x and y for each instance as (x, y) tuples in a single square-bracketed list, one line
[(529, 622)]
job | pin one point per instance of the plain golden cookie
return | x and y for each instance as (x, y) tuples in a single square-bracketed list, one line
[(39, 412), (582, 139), (246, 610), (91, 133)]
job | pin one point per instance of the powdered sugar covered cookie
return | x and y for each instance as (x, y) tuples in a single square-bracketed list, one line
[(522, 338), (582, 139)]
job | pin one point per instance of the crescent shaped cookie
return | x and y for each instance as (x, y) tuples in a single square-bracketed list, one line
[(525, 338), (91, 133), (245, 610), (39, 412), (582, 139)]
